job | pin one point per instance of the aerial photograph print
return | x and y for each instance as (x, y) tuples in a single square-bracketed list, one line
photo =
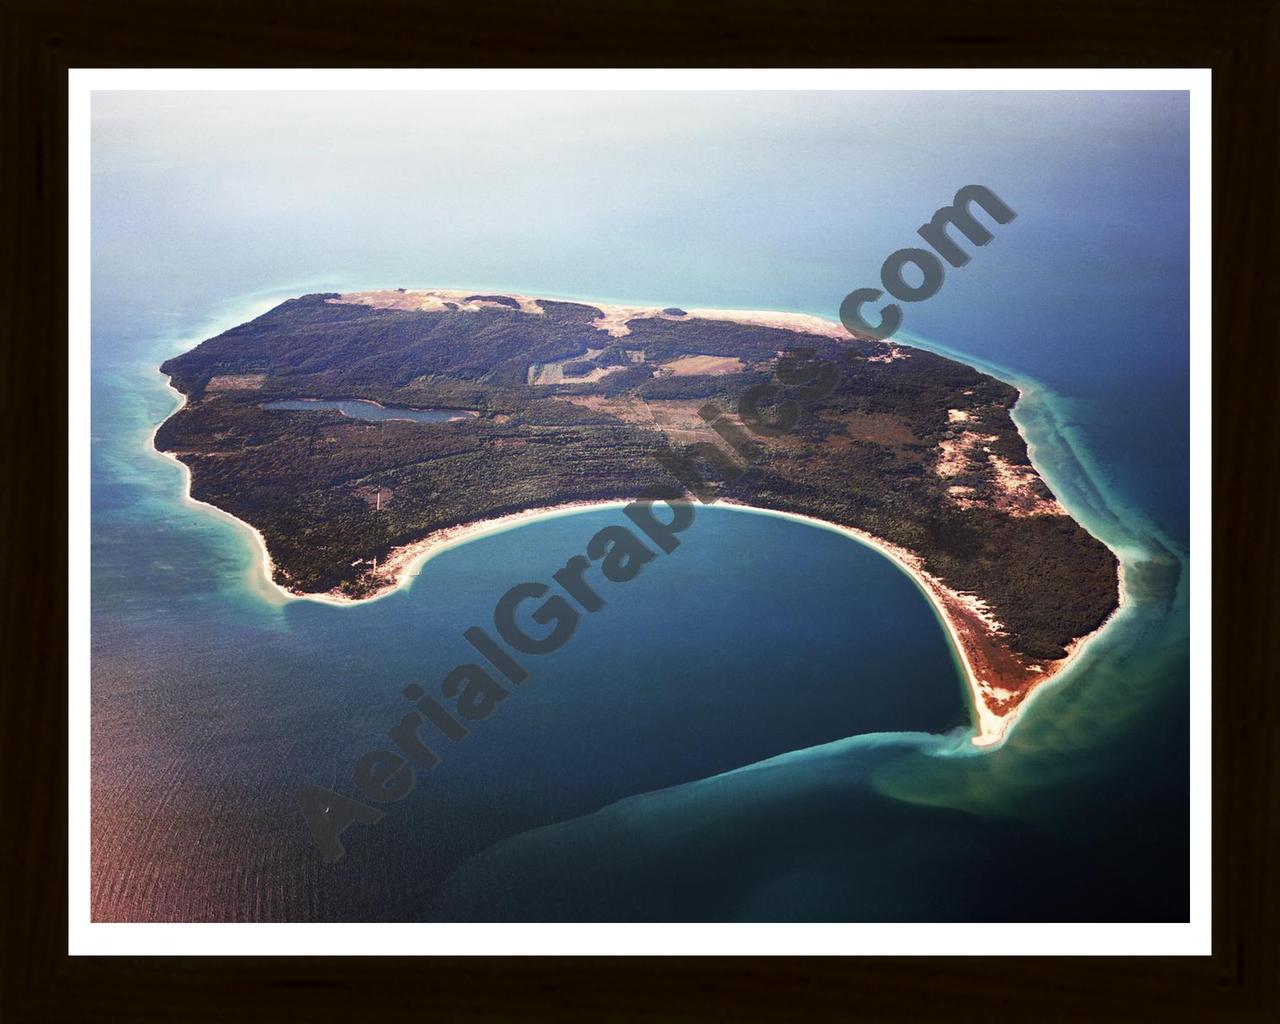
[(690, 506)]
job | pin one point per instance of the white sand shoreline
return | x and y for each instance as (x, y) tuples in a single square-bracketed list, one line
[(615, 314), (404, 563), (991, 729), (268, 566)]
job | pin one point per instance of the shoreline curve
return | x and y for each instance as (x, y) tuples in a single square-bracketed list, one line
[(961, 616)]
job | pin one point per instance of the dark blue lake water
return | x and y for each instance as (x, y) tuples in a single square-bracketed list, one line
[(767, 723)]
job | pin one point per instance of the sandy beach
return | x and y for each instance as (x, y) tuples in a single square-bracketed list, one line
[(613, 322), (999, 682), (268, 566)]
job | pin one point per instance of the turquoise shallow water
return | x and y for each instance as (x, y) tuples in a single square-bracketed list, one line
[(1079, 815), (767, 723), (759, 642), (755, 637)]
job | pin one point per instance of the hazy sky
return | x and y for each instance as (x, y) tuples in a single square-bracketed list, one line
[(660, 196), (750, 200)]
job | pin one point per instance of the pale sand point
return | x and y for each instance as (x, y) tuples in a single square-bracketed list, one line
[(973, 633)]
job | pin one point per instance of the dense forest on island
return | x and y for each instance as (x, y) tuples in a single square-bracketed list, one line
[(914, 448)]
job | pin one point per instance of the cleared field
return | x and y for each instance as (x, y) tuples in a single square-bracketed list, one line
[(703, 366), (236, 382), (553, 373)]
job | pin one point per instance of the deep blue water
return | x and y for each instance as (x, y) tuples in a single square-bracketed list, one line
[(768, 722)]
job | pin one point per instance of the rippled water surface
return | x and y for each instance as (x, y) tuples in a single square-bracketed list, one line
[(768, 723)]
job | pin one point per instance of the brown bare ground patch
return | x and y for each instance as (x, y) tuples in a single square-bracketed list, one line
[(677, 414), (553, 373), (1009, 488), (954, 452), (429, 300), (702, 366), (615, 319), (236, 382), (676, 418), (885, 428), (1016, 487), (889, 355), (625, 408)]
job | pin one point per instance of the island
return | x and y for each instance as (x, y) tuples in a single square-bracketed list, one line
[(357, 432)]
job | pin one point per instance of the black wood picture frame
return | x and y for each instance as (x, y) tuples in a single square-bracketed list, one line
[(39, 41)]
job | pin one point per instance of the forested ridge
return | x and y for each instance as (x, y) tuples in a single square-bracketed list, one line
[(865, 455)]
